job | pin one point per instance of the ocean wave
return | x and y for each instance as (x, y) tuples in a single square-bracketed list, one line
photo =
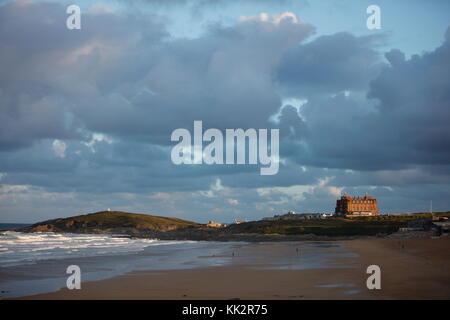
[(18, 248)]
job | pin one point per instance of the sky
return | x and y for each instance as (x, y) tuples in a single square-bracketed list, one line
[(86, 115)]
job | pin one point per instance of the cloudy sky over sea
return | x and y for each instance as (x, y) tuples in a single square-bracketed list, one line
[(86, 115)]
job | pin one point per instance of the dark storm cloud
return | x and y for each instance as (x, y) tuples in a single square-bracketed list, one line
[(120, 75), (414, 96), (330, 64), (125, 77), (101, 168), (44, 66), (223, 78), (403, 121)]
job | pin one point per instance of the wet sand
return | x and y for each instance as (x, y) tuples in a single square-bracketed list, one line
[(416, 268)]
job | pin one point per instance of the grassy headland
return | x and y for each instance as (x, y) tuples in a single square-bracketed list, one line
[(150, 226), (111, 220)]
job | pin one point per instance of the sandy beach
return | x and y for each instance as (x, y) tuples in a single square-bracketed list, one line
[(415, 268)]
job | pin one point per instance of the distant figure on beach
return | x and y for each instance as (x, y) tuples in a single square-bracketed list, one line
[(296, 249), (233, 254)]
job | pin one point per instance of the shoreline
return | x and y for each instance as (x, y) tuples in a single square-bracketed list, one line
[(213, 235), (412, 268), (207, 235)]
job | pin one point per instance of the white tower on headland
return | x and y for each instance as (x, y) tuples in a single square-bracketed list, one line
[(109, 209), (431, 210)]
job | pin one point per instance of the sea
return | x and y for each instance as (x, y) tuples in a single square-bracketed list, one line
[(11, 226), (33, 263)]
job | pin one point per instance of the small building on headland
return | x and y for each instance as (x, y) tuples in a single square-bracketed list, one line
[(348, 206), (212, 224), (239, 221)]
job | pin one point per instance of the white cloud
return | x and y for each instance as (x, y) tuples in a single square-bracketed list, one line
[(98, 137), (100, 8), (160, 196), (59, 148), (334, 191), (292, 192), (7, 188), (276, 18), (214, 189)]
